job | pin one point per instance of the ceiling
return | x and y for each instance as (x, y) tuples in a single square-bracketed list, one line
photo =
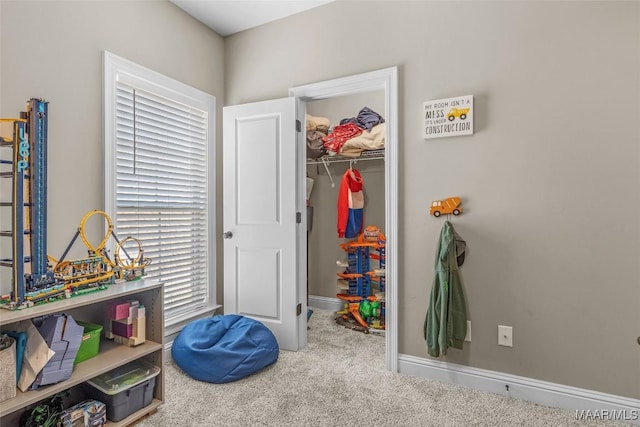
[(227, 17)]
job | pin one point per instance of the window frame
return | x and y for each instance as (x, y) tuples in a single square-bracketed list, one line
[(119, 69)]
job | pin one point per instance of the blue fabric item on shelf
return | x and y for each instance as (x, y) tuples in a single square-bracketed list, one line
[(224, 348), (366, 119), (21, 345)]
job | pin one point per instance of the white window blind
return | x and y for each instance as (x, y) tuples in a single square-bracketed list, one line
[(162, 190)]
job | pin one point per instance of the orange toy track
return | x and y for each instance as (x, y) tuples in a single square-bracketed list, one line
[(349, 298), (354, 307), (349, 275)]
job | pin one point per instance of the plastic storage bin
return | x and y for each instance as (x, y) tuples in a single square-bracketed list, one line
[(124, 390), (90, 344)]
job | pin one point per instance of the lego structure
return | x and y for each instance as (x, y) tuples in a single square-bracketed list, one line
[(98, 267), (33, 279), (28, 204)]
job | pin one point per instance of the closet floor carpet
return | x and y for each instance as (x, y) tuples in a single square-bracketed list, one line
[(339, 379)]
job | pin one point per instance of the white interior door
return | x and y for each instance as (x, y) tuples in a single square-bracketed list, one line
[(259, 216)]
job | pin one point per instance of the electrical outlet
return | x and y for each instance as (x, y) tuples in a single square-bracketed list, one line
[(505, 336), (467, 337)]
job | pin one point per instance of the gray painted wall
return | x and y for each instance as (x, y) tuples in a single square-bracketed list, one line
[(53, 50), (551, 253), (550, 180), (324, 248)]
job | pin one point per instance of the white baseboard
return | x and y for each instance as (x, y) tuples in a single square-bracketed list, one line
[(325, 303), (601, 405)]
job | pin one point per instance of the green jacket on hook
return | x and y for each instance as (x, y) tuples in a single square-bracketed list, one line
[(446, 322)]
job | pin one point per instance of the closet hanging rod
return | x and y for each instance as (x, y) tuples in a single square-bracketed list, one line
[(343, 159)]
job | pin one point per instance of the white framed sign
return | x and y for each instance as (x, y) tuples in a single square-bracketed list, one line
[(448, 117)]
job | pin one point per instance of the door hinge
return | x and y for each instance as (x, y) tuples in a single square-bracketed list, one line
[(298, 309), (298, 217), (298, 126)]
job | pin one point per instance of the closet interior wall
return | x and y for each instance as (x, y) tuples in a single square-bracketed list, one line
[(323, 242)]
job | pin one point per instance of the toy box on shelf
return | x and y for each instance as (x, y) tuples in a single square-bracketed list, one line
[(360, 285)]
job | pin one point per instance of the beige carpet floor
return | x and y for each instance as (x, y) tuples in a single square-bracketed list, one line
[(339, 379)]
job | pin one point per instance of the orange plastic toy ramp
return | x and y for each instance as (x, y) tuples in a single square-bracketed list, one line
[(349, 298), (354, 309)]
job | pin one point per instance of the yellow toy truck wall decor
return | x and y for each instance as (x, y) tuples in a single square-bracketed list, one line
[(451, 205), (457, 112)]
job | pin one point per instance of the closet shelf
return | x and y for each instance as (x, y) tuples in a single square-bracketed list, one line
[(366, 155)]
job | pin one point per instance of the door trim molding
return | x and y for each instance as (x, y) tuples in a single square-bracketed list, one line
[(529, 389), (385, 79)]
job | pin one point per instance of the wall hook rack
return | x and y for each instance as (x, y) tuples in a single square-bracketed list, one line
[(450, 205)]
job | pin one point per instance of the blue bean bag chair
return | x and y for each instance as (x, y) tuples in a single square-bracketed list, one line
[(225, 348)]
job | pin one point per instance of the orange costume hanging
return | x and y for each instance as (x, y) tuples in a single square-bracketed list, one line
[(350, 205)]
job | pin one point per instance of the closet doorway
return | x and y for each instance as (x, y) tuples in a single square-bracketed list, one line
[(326, 251), (264, 206), (337, 99)]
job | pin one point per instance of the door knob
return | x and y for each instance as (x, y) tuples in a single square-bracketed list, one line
[(228, 235)]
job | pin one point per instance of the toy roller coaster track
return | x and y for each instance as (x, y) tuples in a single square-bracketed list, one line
[(28, 232)]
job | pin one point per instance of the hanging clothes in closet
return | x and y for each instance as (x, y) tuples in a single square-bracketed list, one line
[(350, 205)]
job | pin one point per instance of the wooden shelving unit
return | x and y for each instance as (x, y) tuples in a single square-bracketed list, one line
[(90, 308)]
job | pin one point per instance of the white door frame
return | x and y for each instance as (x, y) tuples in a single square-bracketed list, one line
[(387, 80)]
